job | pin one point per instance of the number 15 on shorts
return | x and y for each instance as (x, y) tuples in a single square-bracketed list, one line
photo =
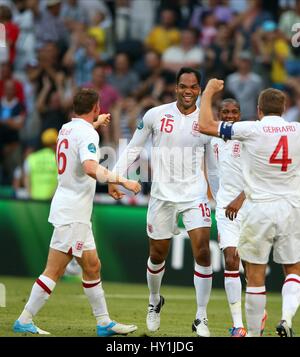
[(204, 209)]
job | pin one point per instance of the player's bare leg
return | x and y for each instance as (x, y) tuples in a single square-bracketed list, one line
[(233, 288), (41, 290), (202, 277), (255, 301), (159, 250), (290, 299), (92, 287)]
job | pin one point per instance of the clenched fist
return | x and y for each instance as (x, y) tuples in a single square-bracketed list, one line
[(214, 85)]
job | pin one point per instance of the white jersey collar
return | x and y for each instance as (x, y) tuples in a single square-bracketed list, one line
[(83, 121), (193, 113)]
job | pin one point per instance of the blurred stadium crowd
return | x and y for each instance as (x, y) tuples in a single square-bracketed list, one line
[(130, 50)]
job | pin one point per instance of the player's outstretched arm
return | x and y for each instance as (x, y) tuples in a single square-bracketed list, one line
[(102, 175), (103, 120), (207, 123)]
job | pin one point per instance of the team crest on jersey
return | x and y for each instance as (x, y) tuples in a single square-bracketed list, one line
[(92, 148), (79, 245), (195, 129), (236, 150), (140, 124), (169, 116)]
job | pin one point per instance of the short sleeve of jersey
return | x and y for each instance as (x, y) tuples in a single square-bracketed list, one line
[(146, 123), (242, 130), (88, 143)]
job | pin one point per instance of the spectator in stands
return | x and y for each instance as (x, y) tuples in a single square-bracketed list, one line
[(82, 56), (73, 14), (220, 9), (142, 14), (286, 22), (272, 50), (52, 112), (155, 79), (25, 46), (48, 66), (49, 27), (122, 77), (11, 31), (250, 20), (245, 86), (165, 34), (12, 117), (97, 31), (109, 95), (124, 114), (6, 74), (292, 105), (220, 54), (40, 168), (208, 28), (187, 54)]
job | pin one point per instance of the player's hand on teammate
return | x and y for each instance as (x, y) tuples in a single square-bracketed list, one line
[(232, 209), (133, 186), (103, 120), (214, 85), (114, 191)]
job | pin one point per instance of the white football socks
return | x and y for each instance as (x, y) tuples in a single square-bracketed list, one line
[(155, 273), (95, 294), (290, 297), (202, 283), (255, 306), (40, 293), (233, 288)]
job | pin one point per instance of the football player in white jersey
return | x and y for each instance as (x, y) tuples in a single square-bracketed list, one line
[(178, 187), (70, 213), (228, 157), (271, 167)]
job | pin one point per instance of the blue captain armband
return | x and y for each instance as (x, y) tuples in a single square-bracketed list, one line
[(225, 130)]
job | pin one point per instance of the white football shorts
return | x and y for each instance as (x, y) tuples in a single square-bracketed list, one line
[(73, 238), (228, 231), (270, 224), (162, 217)]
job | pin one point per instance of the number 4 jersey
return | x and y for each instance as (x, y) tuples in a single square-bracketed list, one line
[(73, 199), (271, 158)]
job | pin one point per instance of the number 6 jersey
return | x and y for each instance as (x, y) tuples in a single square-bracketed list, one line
[(271, 158), (73, 200)]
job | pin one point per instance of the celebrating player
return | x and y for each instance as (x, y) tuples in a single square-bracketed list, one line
[(178, 187), (271, 166), (70, 214), (231, 184)]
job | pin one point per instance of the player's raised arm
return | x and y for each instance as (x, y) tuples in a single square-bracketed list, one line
[(207, 123)]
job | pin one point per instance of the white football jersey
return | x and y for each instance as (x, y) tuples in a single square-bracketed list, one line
[(271, 159), (177, 154), (73, 200), (228, 156)]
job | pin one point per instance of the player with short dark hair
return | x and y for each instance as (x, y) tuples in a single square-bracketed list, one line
[(271, 166), (178, 188), (231, 183), (70, 213)]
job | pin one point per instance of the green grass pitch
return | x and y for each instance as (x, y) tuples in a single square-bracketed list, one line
[(68, 313)]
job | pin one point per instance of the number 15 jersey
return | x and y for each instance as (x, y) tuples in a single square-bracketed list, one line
[(178, 154), (73, 199), (271, 161)]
